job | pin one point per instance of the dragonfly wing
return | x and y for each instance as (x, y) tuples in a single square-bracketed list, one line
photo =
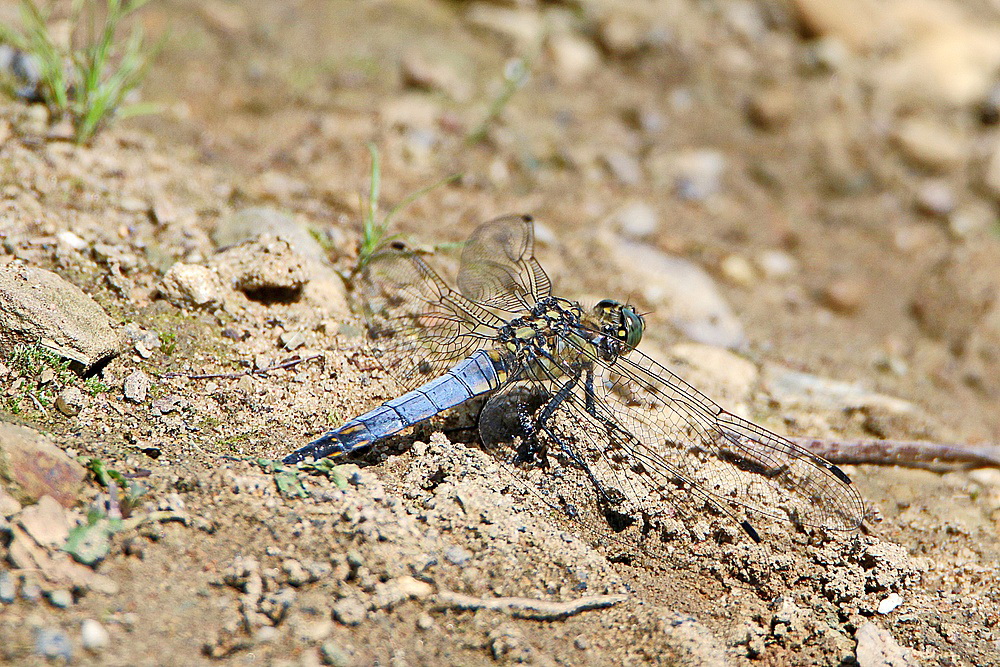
[(421, 326), (680, 432), (499, 269)]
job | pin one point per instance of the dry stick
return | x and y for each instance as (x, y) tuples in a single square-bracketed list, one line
[(934, 456), (537, 610), (233, 376)]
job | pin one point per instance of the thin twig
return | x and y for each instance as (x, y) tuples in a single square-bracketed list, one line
[(935, 456), (538, 610), (253, 371)]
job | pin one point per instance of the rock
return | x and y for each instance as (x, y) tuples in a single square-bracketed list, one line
[(250, 223), (292, 340), (457, 555), (349, 611), (53, 643), (93, 636), (192, 285), (935, 198), (8, 587), (698, 174), (331, 654), (889, 604), (878, 648), (772, 108), (812, 392), (523, 27), (737, 270), (692, 642), (45, 522), (683, 290), (37, 306), (844, 295), (72, 240), (573, 58), (636, 220), (860, 24), (776, 264), (9, 505), (60, 598), (971, 220), (32, 467), (136, 387), (624, 35), (70, 401), (396, 591), (623, 166), (928, 144), (419, 72), (266, 269)]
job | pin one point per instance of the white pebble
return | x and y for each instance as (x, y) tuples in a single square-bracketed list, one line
[(93, 635), (891, 601)]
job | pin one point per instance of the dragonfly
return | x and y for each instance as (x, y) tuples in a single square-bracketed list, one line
[(570, 396)]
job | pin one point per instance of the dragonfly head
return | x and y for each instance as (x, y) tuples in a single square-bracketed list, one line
[(620, 321)]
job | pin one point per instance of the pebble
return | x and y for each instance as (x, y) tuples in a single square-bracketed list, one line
[(776, 264), (890, 603), (622, 34), (93, 635), (266, 269), (935, 198), (637, 220), (699, 174), (349, 611), (624, 167), (292, 340), (931, 145), (457, 555), (738, 270), (45, 522), (8, 587), (53, 643), (331, 654), (192, 285), (71, 240), (424, 74), (860, 24), (70, 401), (136, 387), (971, 219), (60, 598), (574, 58), (844, 296), (878, 648), (772, 109)]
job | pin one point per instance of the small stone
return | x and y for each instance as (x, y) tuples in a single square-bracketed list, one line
[(623, 35), (457, 555), (424, 74), (935, 198), (70, 401), (395, 591), (772, 109), (738, 270), (331, 654), (624, 167), (136, 387), (45, 522), (425, 622), (699, 174), (844, 296), (53, 643), (861, 24), (890, 603), (574, 58), (8, 587), (94, 636), (349, 611), (61, 598), (931, 145), (637, 220), (972, 219), (71, 240), (292, 340), (776, 264), (267, 269), (168, 404), (192, 285)]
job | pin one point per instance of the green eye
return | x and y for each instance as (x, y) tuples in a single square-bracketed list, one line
[(633, 325)]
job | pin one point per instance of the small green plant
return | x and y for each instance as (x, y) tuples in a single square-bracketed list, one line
[(91, 82), (374, 232), (168, 342), (40, 373), (95, 386)]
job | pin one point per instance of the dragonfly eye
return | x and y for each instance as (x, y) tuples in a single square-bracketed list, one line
[(632, 326)]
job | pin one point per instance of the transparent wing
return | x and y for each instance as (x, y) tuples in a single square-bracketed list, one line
[(650, 443), (499, 269), (679, 434), (421, 326)]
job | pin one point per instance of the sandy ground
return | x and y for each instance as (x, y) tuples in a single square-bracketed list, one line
[(802, 196)]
